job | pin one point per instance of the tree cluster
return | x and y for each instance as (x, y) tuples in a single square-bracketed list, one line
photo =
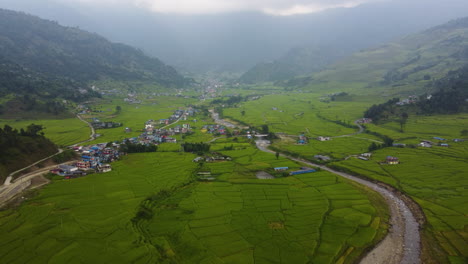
[(196, 147), (129, 147), (20, 148)]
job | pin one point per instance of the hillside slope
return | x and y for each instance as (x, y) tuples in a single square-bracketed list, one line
[(46, 47), (298, 61), (414, 61)]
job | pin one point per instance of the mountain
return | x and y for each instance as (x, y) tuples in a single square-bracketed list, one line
[(237, 41), (56, 51), (298, 61), (412, 62)]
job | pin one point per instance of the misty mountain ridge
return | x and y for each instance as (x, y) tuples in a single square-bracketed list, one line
[(414, 61), (57, 51), (236, 42), (298, 61)]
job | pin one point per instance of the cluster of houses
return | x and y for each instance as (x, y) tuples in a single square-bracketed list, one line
[(441, 143), (214, 129), (154, 135), (303, 170), (132, 99), (364, 120), (214, 157), (410, 100), (96, 157), (97, 124)]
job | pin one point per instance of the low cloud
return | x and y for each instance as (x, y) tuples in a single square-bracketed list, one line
[(272, 7)]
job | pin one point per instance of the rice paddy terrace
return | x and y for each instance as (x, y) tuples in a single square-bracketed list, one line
[(152, 208)]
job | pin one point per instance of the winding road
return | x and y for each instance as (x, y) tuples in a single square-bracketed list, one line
[(11, 187)]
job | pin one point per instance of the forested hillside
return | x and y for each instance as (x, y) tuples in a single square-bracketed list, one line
[(56, 51), (21, 148), (450, 97)]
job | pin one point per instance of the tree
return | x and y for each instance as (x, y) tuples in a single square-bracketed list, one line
[(243, 112), (118, 109), (403, 119), (277, 154)]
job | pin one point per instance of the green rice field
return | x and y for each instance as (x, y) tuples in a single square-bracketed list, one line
[(150, 209), (62, 132)]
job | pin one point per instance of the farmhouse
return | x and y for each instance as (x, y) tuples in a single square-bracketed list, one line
[(302, 139), (281, 168), (104, 168), (67, 169), (303, 170), (364, 121), (392, 160), (323, 138), (322, 158), (425, 144)]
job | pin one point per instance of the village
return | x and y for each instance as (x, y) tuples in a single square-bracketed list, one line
[(96, 158)]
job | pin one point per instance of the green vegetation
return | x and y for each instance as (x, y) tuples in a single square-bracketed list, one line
[(407, 65), (75, 54), (62, 132), (151, 207), (21, 148)]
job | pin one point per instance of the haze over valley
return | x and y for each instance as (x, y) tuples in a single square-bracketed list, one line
[(184, 131)]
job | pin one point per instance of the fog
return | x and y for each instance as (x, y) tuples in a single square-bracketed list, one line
[(235, 39)]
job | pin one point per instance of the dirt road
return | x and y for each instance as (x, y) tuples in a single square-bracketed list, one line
[(9, 189), (402, 243), (7, 192)]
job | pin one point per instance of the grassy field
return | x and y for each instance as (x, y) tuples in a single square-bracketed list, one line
[(149, 210), (435, 178), (133, 116), (62, 132), (290, 114)]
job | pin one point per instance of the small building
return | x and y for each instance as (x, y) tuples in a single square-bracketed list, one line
[(198, 159), (444, 145), (281, 168), (366, 155), (322, 158), (392, 160), (104, 168), (399, 145), (67, 169), (323, 138), (425, 144), (303, 170)]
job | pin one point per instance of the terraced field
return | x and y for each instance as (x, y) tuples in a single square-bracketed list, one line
[(149, 209), (435, 178)]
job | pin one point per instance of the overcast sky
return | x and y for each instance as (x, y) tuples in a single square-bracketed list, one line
[(273, 7)]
